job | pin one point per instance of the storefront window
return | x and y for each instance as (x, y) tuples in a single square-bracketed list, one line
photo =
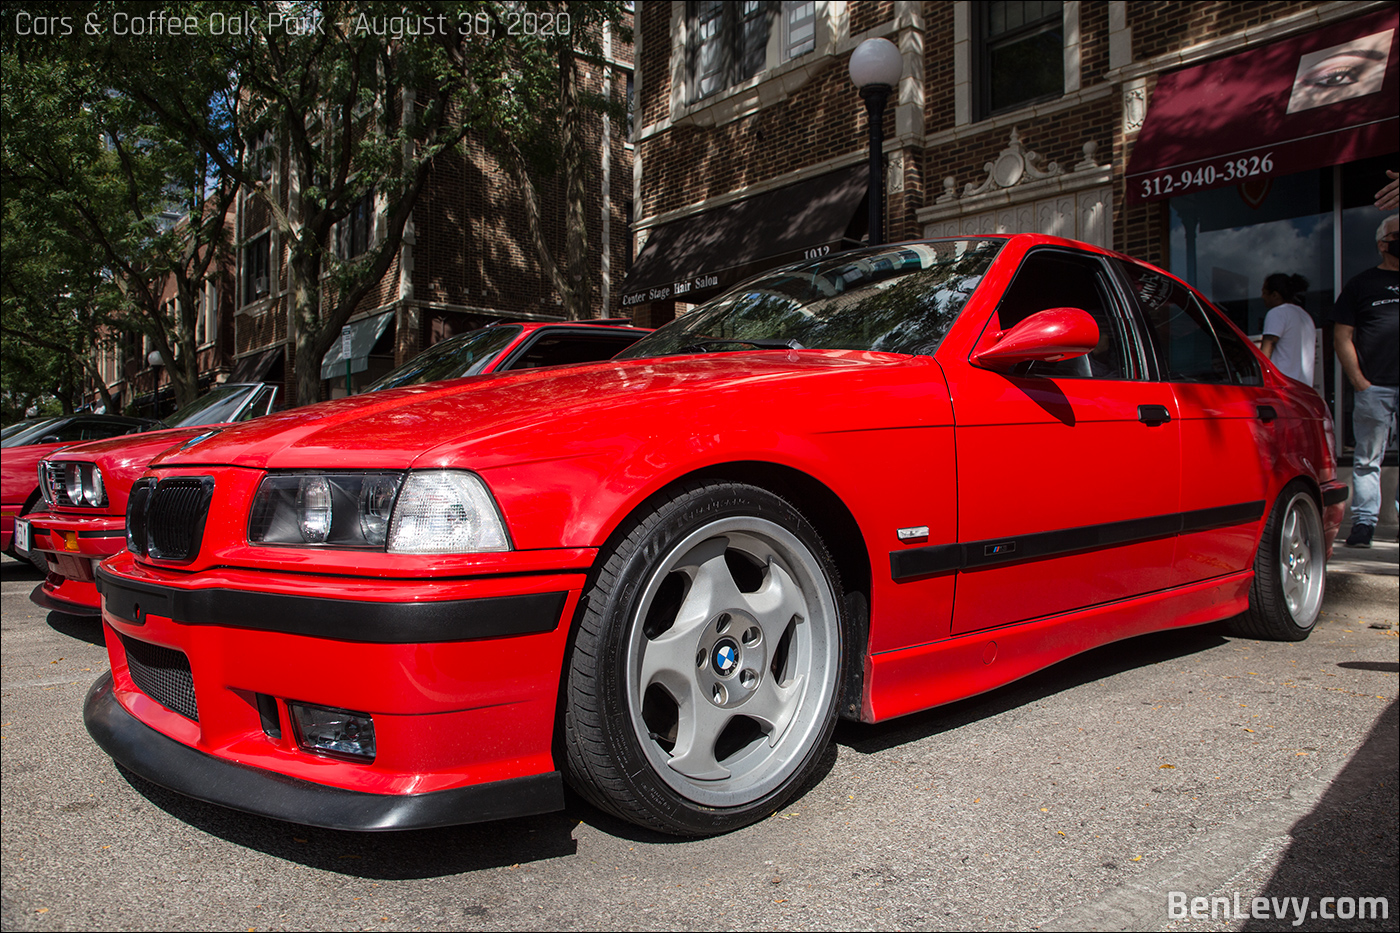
[(1226, 241)]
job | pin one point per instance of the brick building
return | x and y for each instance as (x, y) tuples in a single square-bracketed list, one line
[(1073, 118), (467, 257), (122, 356)]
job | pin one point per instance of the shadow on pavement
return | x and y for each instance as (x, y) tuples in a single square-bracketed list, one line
[(1384, 667), (83, 628), (1143, 651), (16, 571), (1347, 846), (426, 853)]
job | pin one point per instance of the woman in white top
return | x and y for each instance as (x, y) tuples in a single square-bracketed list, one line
[(1290, 337)]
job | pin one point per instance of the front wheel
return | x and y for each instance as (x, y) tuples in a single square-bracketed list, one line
[(703, 681), (1289, 571)]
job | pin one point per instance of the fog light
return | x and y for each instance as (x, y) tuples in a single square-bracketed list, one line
[(333, 731)]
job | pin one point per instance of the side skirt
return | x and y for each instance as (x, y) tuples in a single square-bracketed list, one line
[(913, 679)]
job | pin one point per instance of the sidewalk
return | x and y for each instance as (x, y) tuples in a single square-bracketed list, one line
[(1382, 557)]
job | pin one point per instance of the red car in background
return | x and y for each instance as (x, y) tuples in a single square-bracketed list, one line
[(68, 546), (25, 446), (86, 487), (857, 487)]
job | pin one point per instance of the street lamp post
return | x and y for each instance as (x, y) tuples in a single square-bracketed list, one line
[(875, 68), (156, 361)]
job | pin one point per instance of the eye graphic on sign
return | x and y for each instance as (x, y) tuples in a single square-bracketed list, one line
[(1342, 72)]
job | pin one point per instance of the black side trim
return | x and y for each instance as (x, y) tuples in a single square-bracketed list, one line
[(1334, 496), (340, 619), (1222, 516), (923, 561), (185, 770), (54, 604), (973, 555)]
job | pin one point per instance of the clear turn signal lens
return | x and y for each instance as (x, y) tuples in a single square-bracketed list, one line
[(446, 512)]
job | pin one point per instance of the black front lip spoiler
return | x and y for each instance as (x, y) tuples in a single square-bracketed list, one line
[(175, 766), (54, 604)]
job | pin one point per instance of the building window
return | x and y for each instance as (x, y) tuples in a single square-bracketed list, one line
[(256, 266), (728, 43), (261, 156), (1021, 53), (628, 237), (355, 229), (631, 108), (799, 27), (206, 322)]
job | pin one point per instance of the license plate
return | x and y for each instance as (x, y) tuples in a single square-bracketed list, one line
[(22, 537)]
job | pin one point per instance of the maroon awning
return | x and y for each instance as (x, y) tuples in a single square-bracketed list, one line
[(1324, 98)]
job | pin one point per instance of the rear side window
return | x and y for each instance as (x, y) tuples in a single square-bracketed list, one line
[(1244, 365), (1189, 347), (99, 430), (1055, 279), (564, 349)]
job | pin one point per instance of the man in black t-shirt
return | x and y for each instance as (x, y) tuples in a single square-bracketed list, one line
[(1367, 338)]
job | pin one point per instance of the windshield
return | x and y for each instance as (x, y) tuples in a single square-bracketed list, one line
[(464, 355), (27, 432), (220, 404), (894, 299)]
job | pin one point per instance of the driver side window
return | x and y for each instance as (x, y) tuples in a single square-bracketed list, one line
[(1055, 279)]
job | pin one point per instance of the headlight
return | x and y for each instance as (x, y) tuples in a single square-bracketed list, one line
[(72, 483), (431, 512), (322, 509)]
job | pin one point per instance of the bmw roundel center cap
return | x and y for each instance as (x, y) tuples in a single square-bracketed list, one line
[(726, 657)]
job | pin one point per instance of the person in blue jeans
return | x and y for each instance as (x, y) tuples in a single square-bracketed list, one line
[(1366, 335)]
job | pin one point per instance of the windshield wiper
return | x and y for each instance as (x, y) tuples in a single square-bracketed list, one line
[(708, 344)]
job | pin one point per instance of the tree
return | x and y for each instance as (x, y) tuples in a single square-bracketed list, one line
[(354, 111), (540, 131), (54, 310), (84, 166)]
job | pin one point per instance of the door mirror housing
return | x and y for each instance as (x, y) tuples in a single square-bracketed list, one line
[(1047, 336)]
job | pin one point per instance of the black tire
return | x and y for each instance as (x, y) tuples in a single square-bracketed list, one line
[(1289, 571), (702, 687)]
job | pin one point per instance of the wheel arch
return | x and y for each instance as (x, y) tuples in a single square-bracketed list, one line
[(840, 532), (835, 525)]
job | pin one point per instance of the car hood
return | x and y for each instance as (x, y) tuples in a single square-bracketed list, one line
[(129, 453), (532, 415)]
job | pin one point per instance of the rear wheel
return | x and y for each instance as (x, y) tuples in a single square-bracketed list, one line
[(1289, 571), (702, 688)]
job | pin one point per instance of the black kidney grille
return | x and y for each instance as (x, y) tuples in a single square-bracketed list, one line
[(136, 515), (175, 517), (163, 674)]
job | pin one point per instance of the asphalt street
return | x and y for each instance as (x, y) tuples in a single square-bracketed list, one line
[(1116, 790)]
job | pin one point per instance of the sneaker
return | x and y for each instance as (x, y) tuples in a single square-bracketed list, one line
[(1360, 536)]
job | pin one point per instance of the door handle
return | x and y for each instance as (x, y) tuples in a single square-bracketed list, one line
[(1154, 414), (1266, 413)]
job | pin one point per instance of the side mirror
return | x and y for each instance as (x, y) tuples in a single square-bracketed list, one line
[(1049, 336)]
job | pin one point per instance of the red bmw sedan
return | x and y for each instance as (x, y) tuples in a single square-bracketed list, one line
[(857, 487)]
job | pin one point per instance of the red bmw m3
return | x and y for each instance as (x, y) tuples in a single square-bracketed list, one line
[(857, 487)]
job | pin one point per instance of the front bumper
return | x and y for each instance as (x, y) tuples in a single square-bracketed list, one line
[(74, 545), (461, 677), (162, 760)]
